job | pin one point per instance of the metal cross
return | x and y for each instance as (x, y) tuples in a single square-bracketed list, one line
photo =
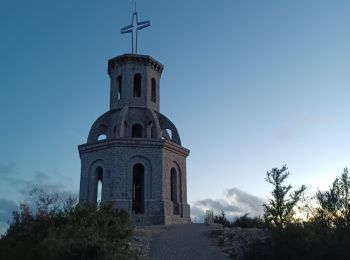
[(133, 28)]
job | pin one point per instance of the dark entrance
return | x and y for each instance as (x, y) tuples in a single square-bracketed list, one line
[(138, 189), (173, 191)]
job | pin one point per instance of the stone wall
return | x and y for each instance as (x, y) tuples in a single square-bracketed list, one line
[(117, 158)]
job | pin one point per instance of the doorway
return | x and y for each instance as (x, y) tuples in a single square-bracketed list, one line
[(138, 189)]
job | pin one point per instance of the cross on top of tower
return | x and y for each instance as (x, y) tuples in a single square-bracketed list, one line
[(133, 28)]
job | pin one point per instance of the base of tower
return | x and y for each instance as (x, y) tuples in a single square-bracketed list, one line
[(157, 213), (144, 220)]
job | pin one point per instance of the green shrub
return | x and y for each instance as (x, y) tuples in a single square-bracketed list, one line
[(242, 221), (66, 231), (326, 235), (221, 219), (248, 222)]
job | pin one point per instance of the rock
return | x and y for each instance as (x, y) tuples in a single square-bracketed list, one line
[(236, 241)]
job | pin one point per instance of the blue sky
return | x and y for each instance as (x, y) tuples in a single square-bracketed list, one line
[(250, 85)]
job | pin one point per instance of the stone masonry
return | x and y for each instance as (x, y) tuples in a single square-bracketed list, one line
[(134, 151)]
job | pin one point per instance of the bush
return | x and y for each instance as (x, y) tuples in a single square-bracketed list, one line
[(248, 222), (334, 204), (221, 219), (66, 231), (242, 221), (302, 241), (326, 235)]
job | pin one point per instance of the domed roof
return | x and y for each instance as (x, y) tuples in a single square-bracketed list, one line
[(133, 122)]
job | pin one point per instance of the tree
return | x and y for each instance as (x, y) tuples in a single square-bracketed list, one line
[(279, 210), (334, 204), (221, 219)]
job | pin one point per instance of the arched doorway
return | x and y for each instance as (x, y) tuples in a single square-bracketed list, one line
[(138, 189), (99, 182), (174, 190)]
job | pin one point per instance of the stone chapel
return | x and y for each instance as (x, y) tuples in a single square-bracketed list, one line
[(134, 151)]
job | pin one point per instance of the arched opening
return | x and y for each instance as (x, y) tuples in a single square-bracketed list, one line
[(115, 131), (102, 132), (99, 184), (137, 130), (102, 137), (137, 85), (119, 83), (99, 192), (173, 188), (149, 129), (167, 134), (174, 191), (125, 129), (154, 90), (138, 189)]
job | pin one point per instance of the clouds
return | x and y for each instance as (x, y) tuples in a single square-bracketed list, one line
[(7, 168), (15, 189), (235, 203), (245, 202), (298, 128), (14, 181), (11, 178), (6, 208)]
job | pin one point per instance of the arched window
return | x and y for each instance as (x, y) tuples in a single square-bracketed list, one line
[(138, 189), (137, 130), (174, 191), (102, 137), (149, 130), (115, 131), (167, 134), (137, 85), (99, 182), (173, 183), (154, 90), (119, 85), (125, 129), (102, 132)]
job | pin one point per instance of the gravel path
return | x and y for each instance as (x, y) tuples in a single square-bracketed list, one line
[(185, 242)]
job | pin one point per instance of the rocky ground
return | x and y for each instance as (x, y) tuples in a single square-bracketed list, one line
[(188, 241), (235, 241), (141, 240)]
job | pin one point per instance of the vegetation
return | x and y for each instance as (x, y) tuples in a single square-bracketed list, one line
[(334, 205), (279, 211), (221, 219), (56, 230), (242, 221), (325, 234), (322, 233), (248, 222)]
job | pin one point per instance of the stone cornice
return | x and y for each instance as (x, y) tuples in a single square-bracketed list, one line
[(135, 58), (173, 147), (134, 143)]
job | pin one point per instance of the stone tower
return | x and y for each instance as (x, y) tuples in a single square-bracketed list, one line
[(134, 150)]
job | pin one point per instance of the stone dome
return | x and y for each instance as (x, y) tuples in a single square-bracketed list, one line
[(133, 122)]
